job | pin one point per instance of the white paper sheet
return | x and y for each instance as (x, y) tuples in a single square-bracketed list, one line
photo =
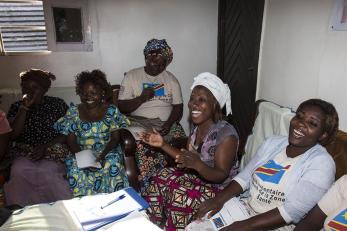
[(88, 209), (86, 159)]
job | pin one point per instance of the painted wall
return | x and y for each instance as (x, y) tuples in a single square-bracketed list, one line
[(301, 57), (120, 30)]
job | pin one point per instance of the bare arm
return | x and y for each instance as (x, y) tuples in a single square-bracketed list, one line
[(175, 116), (223, 161), (130, 105), (313, 221), (154, 139), (72, 143), (17, 124)]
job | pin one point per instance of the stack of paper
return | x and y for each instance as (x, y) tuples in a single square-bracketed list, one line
[(94, 212), (134, 221), (86, 159)]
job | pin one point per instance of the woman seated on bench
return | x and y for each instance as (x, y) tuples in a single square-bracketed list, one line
[(287, 176), (152, 97), (37, 172), (208, 164), (89, 126)]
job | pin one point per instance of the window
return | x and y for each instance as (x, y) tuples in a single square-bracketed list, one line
[(68, 25), (22, 27), (339, 16)]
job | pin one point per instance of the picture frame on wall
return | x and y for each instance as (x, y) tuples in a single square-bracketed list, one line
[(68, 25), (339, 16)]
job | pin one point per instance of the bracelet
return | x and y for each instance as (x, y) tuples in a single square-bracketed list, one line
[(24, 108)]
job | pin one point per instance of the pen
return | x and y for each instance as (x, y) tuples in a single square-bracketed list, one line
[(113, 201)]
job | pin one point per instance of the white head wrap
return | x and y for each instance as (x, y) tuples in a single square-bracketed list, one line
[(216, 86)]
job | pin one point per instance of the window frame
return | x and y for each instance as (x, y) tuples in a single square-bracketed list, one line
[(87, 44), (336, 16), (9, 53)]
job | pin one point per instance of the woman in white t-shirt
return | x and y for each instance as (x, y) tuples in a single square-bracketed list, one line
[(287, 176), (151, 97), (331, 210)]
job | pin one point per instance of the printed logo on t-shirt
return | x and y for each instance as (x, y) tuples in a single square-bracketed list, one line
[(339, 223), (271, 172), (159, 89)]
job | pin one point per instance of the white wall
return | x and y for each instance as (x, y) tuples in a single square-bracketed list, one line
[(301, 57), (121, 29)]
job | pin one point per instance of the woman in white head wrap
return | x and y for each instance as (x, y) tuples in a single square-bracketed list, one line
[(206, 165)]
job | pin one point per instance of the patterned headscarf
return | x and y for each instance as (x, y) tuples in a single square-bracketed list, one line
[(161, 46), (42, 78)]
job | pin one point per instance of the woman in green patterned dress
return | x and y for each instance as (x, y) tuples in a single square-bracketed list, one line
[(92, 125)]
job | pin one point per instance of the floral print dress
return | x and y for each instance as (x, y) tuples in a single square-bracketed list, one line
[(94, 136)]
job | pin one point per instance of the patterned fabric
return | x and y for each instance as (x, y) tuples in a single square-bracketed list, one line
[(39, 181), (150, 160), (56, 152), (162, 46), (175, 196), (95, 136), (38, 125), (217, 133)]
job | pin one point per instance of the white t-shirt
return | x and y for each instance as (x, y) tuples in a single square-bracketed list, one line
[(334, 205), (268, 185), (167, 92)]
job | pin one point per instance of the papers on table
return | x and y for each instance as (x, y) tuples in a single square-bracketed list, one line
[(86, 159), (134, 221), (92, 212)]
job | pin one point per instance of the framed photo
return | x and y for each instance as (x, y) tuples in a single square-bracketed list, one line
[(339, 16), (68, 25)]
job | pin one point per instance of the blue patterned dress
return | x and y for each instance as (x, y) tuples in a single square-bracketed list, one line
[(95, 136)]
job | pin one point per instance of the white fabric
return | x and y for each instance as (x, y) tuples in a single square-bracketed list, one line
[(219, 89), (159, 106), (41, 217), (334, 203), (271, 120), (268, 192)]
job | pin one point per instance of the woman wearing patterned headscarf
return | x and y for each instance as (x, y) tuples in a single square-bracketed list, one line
[(37, 170), (152, 98)]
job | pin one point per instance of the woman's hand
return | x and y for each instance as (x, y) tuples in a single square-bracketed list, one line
[(188, 159), (101, 159), (165, 129), (30, 98), (152, 138), (147, 93), (210, 206)]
